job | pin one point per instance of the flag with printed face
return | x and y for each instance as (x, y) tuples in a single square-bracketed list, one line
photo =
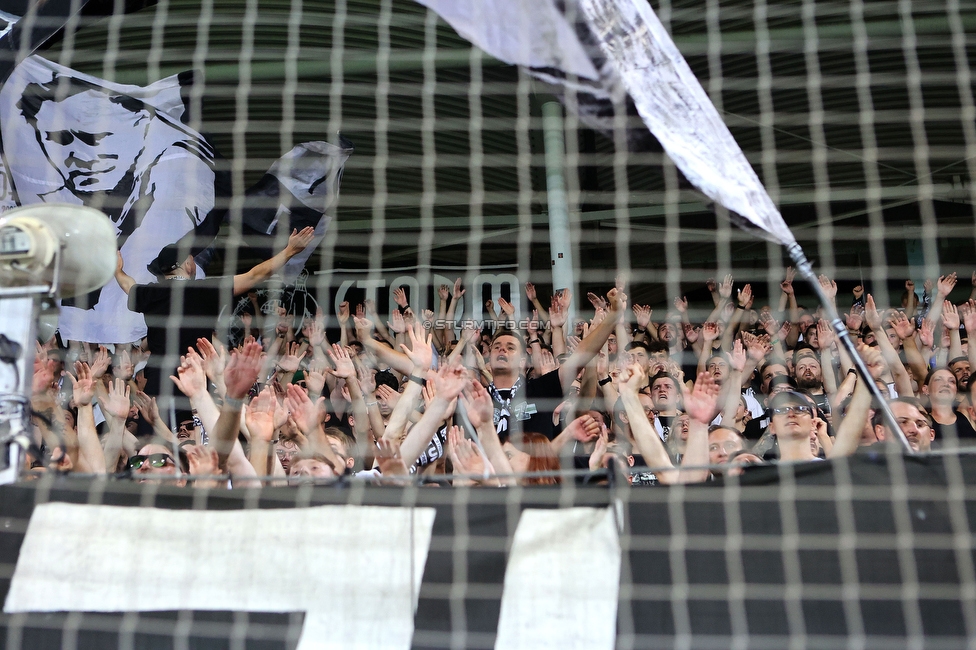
[(128, 151)]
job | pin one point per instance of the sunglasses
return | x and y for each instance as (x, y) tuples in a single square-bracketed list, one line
[(798, 409), (186, 426), (154, 460)]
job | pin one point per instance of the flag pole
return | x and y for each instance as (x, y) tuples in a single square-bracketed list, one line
[(805, 270)]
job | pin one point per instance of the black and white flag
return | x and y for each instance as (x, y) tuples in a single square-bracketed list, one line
[(128, 150)]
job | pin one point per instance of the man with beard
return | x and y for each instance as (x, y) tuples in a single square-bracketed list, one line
[(809, 376)]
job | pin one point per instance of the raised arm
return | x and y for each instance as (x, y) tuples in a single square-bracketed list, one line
[(83, 391), (590, 346), (297, 242), (240, 375), (126, 282), (898, 373)]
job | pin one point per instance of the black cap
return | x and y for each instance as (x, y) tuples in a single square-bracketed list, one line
[(167, 260)]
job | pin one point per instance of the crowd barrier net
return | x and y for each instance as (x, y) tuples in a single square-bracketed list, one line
[(419, 159)]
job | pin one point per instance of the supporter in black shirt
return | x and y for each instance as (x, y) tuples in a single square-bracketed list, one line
[(526, 405), (188, 305)]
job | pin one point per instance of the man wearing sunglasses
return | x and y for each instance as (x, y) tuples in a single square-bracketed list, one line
[(156, 461)]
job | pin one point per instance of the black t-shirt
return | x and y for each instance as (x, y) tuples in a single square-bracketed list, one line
[(961, 430), (199, 306), (530, 410)]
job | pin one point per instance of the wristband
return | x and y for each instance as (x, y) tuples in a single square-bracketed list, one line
[(640, 330), (417, 380), (368, 404), (739, 307), (233, 403), (534, 341), (604, 382), (852, 371)]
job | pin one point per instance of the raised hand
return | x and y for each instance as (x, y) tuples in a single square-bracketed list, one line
[(725, 289), (902, 324), (304, 411), (396, 325), (214, 358), (147, 406), (400, 297), (599, 451), (344, 367), (969, 316), (557, 314), (388, 458), (825, 334), (458, 291), (298, 240), (465, 455), (364, 328), (681, 304), (388, 395), (700, 402), (530, 293), (548, 363), (737, 359), (444, 293), (82, 384), (259, 416), (122, 368), (744, 295), (828, 286), (926, 333), (855, 318), (292, 357), (478, 405), (691, 333), (507, 308), (490, 308), (420, 351), (642, 313), (190, 377), (756, 348), (101, 362), (946, 284), (950, 316), (871, 315), (596, 301), (242, 371), (203, 461), (449, 382), (116, 403), (858, 292), (315, 377), (787, 284), (710, 332)]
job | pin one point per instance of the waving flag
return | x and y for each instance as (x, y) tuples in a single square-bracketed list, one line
[(629, 50)]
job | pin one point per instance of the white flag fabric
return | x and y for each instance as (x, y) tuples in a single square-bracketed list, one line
[(678, 112), (532, 33), (69, 137), (636, 51)]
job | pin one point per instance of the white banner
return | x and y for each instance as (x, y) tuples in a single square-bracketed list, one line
[(354, 570)]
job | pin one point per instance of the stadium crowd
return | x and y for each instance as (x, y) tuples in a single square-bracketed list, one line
[(518, 399)]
